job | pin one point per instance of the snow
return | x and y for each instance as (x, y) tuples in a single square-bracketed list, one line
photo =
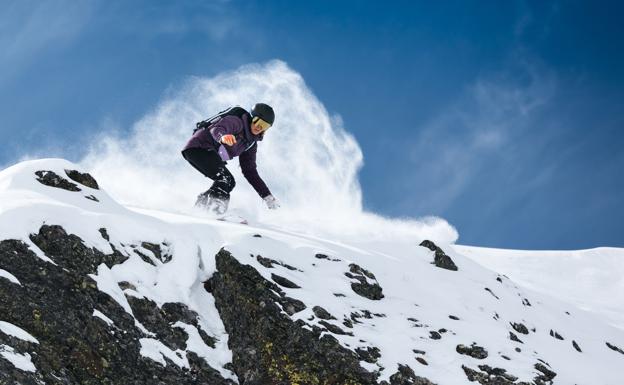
[(592, 280), (412, 286), (9, 276), (100, 315), (15, 331), (156, 351), (20, 361)]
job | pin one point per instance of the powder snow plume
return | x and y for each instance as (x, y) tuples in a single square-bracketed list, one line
[(308, 160)]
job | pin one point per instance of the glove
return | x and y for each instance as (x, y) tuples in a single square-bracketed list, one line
[(271, 202), (228, 139)]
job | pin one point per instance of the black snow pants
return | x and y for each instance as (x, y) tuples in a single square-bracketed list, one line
[(209, 163)]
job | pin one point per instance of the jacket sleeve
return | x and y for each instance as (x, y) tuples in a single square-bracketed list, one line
[(228, 125), (248, 165)]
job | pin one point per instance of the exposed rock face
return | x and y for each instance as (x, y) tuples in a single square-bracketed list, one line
[(441, 260), (84, 179), (268, 347), (614, 348), (52, 179), (473, 350), (366, 284), (406, 376), (56, 303)]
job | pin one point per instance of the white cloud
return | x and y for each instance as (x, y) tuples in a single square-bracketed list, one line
[(307, 159), (486, 123)]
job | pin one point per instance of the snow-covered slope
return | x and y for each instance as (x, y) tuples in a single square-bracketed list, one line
[(385, 301), (592, 279)]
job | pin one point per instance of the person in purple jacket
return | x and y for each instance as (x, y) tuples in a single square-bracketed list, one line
[(234, 132)]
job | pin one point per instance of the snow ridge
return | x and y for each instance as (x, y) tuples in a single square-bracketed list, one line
[(385, 301)]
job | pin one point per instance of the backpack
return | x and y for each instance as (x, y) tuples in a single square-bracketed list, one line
[(235, 111)]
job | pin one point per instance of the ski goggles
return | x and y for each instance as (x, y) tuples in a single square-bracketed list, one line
[(261, 123)]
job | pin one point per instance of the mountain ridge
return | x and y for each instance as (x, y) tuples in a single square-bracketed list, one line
[(345, 315)]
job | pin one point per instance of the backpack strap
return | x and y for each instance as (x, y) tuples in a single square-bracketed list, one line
[(234, 111)]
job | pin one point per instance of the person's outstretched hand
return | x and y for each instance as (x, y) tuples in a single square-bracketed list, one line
[(271, 202), (228, 139)]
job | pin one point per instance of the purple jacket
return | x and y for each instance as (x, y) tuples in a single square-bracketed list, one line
[(245, 147)]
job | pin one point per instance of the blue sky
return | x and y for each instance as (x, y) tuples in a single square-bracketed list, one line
[(505, 118)]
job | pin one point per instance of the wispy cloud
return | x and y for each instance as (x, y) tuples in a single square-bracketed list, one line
[(214, 20), (30, 27), (485, 125)]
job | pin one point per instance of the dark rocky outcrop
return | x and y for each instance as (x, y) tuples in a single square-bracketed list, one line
[(514, 337), (52, 179), (267, 346), (406, 376), (576, 346), (614, 348), (269, 263), (322, 313), (84, 179), (156, 249), (473, 350), (323, 256), (362, 286), (556, 335), (491, 376), (519, 327), (440, 259), (284, 282), (546, 375), (370, 354), (56, 303)]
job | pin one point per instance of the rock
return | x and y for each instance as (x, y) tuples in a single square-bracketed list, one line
[(51, 179), (555, 335), (441, 260), (55, 304), (362, 286), (322, 313), (154, 319), (157, 251), (491, 292), (104, 234), (323, 256), (267, 346), (434, 335), (514, 337), (84, 179), (266, 262), (519, 327), (69, 251), (546, 376), (406, 376), (491, 376), (290, 305), (284, 282), (370, 354), (334, 329), (576, 346), (473, 350), (614, 348)]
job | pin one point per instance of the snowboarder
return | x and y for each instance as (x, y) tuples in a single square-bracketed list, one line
[(233, 132)]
